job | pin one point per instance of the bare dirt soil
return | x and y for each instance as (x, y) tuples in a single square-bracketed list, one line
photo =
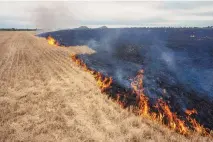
[(44, 96)]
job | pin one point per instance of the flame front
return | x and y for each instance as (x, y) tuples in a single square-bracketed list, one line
[(103, 82), (172, 120), (52, 41), (163, 110), (160, 112)]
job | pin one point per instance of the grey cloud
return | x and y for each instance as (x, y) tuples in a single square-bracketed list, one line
[(198, 23), (53, 15), (184, 5), (127, 22), (210, 13), (13, 18)]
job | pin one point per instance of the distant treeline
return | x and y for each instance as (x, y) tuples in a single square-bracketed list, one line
[(14, 29)]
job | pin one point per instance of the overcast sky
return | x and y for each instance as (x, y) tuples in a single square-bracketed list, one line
[(111, 14)]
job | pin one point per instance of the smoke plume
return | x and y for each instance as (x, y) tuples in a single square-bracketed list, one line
[(53, 16)]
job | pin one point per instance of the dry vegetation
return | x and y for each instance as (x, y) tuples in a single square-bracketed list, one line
[(46, 97)]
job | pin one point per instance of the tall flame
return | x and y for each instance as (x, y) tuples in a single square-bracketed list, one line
[(172, 120), (164, 111), (137, 85)]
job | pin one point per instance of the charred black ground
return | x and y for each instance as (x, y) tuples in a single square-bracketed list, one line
[(177, 64)]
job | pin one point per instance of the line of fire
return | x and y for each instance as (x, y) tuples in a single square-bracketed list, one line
[(136, 101)]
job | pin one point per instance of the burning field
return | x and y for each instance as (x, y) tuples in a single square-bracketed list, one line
[(126, 82), (77, 93), (160, 112)]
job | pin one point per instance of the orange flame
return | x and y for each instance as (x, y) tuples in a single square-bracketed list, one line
[(52, 41), (144, 108), (173, 121), (103, 82), (197, 127), (137, 85), (190, 112), (118, 101)]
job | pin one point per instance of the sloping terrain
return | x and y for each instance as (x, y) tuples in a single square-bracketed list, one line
[(46, 97)]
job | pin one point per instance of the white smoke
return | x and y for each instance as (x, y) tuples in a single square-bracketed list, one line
[(53, 16), (168, 58)]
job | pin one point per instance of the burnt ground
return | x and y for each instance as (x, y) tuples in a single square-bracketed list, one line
[(171, 59)]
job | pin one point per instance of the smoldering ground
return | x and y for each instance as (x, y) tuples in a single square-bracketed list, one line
[(125, 51), (169, 68)]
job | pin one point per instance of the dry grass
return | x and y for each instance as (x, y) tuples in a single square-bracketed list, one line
[(46, 97)]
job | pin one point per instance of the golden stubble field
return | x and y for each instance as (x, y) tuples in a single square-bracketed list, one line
[(44, 96)]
